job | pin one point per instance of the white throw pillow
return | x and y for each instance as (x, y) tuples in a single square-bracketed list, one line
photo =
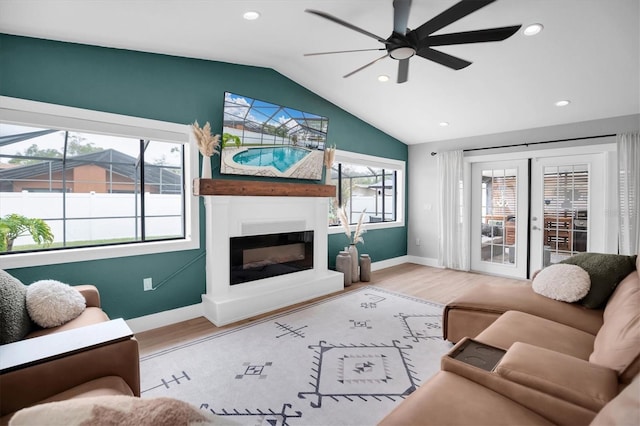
[(51, 303), (564, 282)]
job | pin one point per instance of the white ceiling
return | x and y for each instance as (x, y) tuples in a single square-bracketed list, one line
[(589, 52)]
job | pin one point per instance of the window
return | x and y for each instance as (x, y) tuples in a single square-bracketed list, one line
[(371, 185), (95, 184)]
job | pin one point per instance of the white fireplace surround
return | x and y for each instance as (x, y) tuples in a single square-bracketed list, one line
[(237, 216)]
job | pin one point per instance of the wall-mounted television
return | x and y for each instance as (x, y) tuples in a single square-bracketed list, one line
[(264, 139)]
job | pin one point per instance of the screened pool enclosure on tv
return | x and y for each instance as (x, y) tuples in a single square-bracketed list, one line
[(265, 139)]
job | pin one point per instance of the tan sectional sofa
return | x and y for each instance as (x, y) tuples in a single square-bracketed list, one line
[(562, 363)]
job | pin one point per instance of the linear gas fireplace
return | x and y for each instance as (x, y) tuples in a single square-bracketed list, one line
[(257, 257)]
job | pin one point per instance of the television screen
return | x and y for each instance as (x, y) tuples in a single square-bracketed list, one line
[(263, 139)]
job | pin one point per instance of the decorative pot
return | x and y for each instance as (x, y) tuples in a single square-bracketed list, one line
[(206, 167), (355, 275), (343, 264), (365, 268)]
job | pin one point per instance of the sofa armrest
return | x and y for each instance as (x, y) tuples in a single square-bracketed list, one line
[(23, 353), (90, 294), (556, 410), (35, 369), (572, 379)]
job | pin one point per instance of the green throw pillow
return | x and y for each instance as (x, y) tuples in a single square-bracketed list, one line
[(15, 322), (605, 271)]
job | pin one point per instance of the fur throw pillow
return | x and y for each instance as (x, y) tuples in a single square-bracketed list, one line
[(51, 303), (567, 283), (15, 323), (116, 410)]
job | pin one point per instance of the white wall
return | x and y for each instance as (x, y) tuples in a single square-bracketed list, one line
[(423, 192)]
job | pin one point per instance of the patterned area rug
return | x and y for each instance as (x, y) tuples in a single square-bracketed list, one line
[(347, 360)]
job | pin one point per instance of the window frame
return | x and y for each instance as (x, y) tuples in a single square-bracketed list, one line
[(40, 114), (383, 163)]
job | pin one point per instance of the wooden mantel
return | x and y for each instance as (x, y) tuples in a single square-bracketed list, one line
[(256, 188)]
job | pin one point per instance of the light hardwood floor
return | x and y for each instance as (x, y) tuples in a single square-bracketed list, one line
[(437, 285)]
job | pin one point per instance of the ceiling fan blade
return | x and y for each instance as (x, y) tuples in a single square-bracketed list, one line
[(345, 24), (401, 10), (443, 58), (479, 36), (454, 13), (365, 66), (403, 70), (341, 51)]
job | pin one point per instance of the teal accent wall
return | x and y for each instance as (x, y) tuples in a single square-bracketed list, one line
[(178, 90)]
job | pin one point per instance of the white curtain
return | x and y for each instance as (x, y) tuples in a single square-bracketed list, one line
[(453, 250), (629, 192)]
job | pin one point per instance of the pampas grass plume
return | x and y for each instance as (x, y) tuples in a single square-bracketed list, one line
[(207, 143)]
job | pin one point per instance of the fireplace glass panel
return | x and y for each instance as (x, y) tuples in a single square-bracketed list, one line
[(257, 257)]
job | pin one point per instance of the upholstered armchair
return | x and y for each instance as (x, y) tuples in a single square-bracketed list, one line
[(88, 355)]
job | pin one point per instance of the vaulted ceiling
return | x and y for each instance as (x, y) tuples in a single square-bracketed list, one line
[(588, 53)]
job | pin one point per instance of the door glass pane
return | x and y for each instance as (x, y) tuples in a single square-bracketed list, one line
[(498, 219), (566, 201)]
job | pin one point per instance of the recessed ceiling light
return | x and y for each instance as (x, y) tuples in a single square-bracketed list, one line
[(383, 78), (252, 15), (533, 29), (562, 103), (444, 124)]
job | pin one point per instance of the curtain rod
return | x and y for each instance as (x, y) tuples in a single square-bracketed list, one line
[(534, 143)]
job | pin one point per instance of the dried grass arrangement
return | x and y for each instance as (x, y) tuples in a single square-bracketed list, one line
[(329, 155), (356, 236), (207, 143)]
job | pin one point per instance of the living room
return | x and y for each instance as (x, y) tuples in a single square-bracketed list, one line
[(179, 87)]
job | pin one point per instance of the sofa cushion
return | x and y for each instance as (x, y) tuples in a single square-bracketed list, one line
[(617, 344), (514, 326), (563, 282), (448, 399), (623, 410), (51, 303), (563, 376), (14, 317), (605, 271)]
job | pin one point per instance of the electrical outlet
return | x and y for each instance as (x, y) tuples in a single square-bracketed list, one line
[(147, 284), (417, 241)]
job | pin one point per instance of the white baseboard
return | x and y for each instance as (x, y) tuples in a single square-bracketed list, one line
[(426, 261), (164, 318), (388, 263)]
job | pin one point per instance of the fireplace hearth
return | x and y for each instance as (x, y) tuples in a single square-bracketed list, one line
[(256, 257)]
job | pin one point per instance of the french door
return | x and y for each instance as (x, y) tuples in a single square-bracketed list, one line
[(519, 227), (500, 217), (568, 208)]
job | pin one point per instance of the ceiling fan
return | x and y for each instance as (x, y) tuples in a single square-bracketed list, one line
[(404, 43)]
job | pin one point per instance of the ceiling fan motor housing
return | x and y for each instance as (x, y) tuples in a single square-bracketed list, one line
[(400, 46)]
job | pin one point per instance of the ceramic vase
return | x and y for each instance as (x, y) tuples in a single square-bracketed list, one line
[(343, 264), (206, 167), (365, 268), (355, 274)]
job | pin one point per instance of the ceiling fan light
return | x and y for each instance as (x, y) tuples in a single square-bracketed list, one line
[(533, 29), (402, 53), (251, 15), (383, 78)]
